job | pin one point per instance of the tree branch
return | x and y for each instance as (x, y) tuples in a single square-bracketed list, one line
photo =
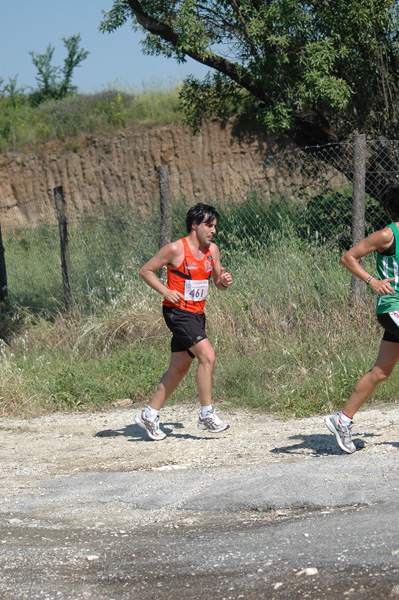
[(237, 73), (245, 28), (312, 127)]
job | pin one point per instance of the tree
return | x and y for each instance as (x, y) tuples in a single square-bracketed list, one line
[(54, 83), (11, 91), (316, 70)]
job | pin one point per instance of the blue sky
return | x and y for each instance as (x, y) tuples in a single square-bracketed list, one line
[(114, 59)]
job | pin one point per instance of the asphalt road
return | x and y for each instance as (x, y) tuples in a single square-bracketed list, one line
[(319, 528)]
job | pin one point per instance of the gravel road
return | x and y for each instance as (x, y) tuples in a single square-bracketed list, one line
[(84, 496)]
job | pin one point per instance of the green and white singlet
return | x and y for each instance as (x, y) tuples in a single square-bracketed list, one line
[(388, 266)]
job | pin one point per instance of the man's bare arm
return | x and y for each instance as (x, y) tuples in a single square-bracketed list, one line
[(220, 277), (166, 256)]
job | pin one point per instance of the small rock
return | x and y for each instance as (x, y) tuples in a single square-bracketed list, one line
[(308, 572)]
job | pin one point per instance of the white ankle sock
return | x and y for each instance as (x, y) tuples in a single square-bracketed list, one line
[(344, 419), (150, 413), (205, 410)]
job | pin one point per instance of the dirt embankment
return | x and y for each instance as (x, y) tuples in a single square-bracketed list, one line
[(94, 169)]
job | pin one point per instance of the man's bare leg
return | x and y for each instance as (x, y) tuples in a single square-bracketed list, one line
[(148, 419), (387, 358), (179, 365), (340, 423), (208, 419), (205, 354)]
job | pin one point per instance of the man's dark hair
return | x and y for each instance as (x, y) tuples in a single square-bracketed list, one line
[(199, 213), (389, 200)]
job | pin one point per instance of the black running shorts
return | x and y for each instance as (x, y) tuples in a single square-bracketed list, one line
[(188, 328), (390, 322)]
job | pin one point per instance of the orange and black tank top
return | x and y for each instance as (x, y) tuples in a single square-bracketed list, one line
[(191, 279)]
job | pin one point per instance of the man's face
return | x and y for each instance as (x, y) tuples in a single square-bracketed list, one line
[(206, 231)]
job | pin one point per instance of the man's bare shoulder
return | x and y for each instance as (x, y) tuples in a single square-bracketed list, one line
[(173, 248), (382, 239), (172, 253), (214, 249), (387, 234)]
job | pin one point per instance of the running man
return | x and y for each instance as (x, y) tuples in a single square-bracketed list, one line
[(386, 285), (190, 261)]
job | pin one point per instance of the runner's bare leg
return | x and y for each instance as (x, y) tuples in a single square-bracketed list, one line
[(206, 360), (387, 358), (179, 365)]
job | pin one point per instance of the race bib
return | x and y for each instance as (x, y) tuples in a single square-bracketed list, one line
[(195, 290)]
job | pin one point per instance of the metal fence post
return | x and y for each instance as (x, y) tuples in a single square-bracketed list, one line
[(166, 210), (358, 206), (64, 244)]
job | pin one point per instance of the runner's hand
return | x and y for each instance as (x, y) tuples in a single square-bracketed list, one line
[(382, 286), (225, 278), (173, 296)]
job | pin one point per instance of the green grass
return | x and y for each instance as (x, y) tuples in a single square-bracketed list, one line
[(287, 340), (68, 382), (100, 254), (22, 125)]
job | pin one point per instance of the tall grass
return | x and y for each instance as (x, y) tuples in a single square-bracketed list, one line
[(105, 253), (286, 337), (23, 125)]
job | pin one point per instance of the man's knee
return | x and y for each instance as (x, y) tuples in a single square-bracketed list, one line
[(179, 364), (182, 370), (210, 357), (205, 353), (380, 374)]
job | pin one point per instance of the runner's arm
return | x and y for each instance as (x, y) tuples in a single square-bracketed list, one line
[(379, 240), (220, 277), (164, 257)]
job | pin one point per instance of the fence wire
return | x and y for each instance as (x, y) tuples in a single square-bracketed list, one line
[(115, 228)]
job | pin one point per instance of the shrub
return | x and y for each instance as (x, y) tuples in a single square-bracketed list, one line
[(329, 214)]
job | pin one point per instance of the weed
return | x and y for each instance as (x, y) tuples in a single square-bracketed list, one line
[(286, 338), (22, 124)]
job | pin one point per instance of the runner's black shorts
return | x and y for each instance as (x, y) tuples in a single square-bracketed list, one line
[(187, 328), (390, 322)]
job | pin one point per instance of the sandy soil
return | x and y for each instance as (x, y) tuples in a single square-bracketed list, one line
[(32, 450)]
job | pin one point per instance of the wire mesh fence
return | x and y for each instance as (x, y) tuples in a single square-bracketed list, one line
[(304, 193)]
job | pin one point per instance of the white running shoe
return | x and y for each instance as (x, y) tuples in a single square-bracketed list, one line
[(343, 433), (152, 427), (212, 422)]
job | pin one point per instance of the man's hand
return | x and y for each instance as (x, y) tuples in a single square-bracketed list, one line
[(225, 279), (382, 287), (173, 296)]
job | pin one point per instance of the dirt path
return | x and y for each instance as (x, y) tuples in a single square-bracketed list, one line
[(235, 515), (62, 444)]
